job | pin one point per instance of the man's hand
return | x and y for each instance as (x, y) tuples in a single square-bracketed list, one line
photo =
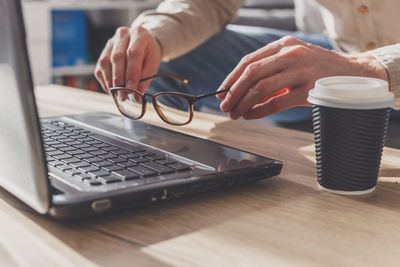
[(130, 55), (279, 76)]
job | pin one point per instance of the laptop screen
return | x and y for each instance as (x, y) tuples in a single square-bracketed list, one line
[(22, 167)]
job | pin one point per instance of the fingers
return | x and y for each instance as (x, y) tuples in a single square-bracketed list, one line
[(143, 59), (289, 68), (99, 76), (103, 67), (289, 63), (127, 56), (148, 70), (264, 52), (118, 56), (266, 67), (276, 104), (152, 57), (111, 64), (263, 89), (135, 57)]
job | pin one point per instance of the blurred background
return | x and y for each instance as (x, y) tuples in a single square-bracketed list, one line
[(65, 37)]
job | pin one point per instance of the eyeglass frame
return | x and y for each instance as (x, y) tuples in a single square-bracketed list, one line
[(189, 98)]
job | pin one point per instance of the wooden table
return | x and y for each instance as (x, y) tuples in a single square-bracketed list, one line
[(283, 221)]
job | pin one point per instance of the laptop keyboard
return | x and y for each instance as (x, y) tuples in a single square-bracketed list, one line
[(97, 160)]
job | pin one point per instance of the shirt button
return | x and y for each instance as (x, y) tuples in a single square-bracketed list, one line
[(371, 46), (363, 10)]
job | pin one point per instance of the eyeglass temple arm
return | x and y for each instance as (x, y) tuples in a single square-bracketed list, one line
[(211, 94), (166, 74)]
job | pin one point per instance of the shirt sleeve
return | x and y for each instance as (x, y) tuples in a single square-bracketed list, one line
[(181, 25), (389, 56)]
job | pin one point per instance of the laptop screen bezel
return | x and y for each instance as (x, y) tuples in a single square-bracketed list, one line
[(38, 197)]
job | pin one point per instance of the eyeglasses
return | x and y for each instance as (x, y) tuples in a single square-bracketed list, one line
[(132, 103)]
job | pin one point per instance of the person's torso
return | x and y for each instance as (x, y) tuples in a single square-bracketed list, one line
[(351, 25)]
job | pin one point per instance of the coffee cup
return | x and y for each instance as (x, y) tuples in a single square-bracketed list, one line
[(350, 121)]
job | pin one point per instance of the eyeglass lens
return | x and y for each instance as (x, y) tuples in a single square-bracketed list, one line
[(172, 108), (130, 103)]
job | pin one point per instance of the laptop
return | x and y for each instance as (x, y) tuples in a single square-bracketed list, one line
[(76, 166)]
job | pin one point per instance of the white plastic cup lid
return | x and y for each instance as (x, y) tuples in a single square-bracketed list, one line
[(351, 92)]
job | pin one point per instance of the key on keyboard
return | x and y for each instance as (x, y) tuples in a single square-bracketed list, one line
[(97, 160)]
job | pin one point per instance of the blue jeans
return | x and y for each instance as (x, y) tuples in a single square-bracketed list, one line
[(209, 64)]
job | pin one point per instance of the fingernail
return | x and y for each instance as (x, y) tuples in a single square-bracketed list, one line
[(221, 88), (224, 106)]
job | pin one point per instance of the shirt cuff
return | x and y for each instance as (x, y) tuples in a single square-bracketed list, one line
[(389, 56), (154, 27)]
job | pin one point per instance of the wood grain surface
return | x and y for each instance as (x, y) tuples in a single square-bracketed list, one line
[(283, 221)]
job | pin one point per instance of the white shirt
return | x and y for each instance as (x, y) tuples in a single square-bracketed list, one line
[(350, 25)]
